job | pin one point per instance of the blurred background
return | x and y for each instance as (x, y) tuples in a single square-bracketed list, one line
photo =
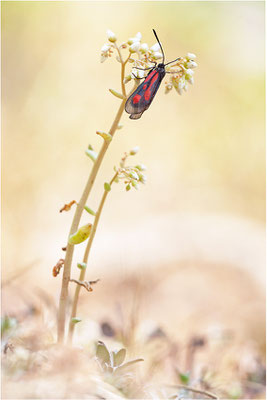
[(192, 240)]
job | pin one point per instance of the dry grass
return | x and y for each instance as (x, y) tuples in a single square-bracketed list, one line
[(182, 326)]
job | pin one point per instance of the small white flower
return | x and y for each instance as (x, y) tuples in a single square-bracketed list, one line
[(134, 151), (144, 48), (127, 79), (105, 48), (189, 72), (180, 86), (155, 47), (133, 40), (191, 64), (138, 36), (138, 72), (190, 56), (157, 55), (191, 80), (104, 52), (134, 47), (111, 36)]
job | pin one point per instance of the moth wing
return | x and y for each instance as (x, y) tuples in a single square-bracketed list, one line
[(136, 116), (142, 97)]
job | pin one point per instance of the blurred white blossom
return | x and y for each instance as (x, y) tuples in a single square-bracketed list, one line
[(111, 36), (142, 56)]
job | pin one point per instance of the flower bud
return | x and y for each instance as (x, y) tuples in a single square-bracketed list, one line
[(139, 73), (141, 167), (135, 185), (144, 48), (155, 47), (107, 187), (111, 36), (127, 79), (134, 47), (81, 235), (105, 48), (134, 151), (190, 56), (134, 175), (189, 73), (82, 265), (139, 36), (133, 40), (157, 55), (128, 187), (142, 178), (191, 64), (191, 80)]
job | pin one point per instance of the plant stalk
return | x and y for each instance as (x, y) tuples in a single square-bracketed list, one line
[(85, 259), (79, 210)]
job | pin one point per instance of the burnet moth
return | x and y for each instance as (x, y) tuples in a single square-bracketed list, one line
[(142, 97)]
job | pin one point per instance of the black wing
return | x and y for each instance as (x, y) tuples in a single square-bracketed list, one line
[(142, 97)]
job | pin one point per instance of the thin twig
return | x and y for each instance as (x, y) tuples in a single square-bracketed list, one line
[(208, 394), (85, 258), (86, 284), (80, 208)]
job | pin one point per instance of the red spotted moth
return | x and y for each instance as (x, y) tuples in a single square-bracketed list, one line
[(142, 97)]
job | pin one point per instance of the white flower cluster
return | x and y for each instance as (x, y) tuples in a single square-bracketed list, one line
[(142, 56), (181, 74), (131, 175)]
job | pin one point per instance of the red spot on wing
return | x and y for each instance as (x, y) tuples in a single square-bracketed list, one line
[(150, 76), (148, 91), (145, 86), (136, 98)]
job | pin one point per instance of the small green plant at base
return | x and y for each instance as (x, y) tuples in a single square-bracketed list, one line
[(113, 361)]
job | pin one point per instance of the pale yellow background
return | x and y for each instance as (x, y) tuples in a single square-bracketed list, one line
[(204, 150)]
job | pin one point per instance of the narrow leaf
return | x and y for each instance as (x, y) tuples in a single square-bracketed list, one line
[(91, 154), (75, 320), (89, 210), (102, 353), (127, 364), (116, 94), (119, 357)]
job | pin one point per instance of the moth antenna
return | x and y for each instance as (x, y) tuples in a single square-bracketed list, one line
[(159, 45), (173, 60)]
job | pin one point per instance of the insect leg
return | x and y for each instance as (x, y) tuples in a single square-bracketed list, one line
[(143, 69), (136, 77)]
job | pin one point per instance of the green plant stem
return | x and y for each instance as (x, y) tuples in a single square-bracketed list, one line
[(85, 259), (79, 210)]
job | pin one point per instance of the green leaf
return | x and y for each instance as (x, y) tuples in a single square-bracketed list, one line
[(7, 323), (91, 154), (75, 320), (117, 94), (184, 378), (82, 265), (107, 187), (81, 235), (119, 357), (106, 136), (102, 353), (127, 365), (89, 210)]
